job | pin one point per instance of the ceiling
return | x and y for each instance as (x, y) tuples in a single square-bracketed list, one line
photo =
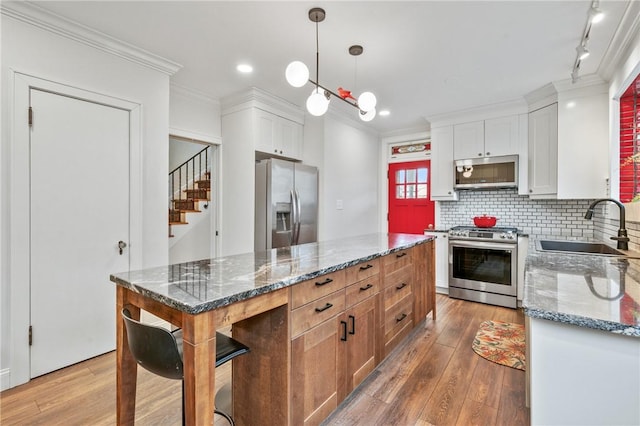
[(421, 58)]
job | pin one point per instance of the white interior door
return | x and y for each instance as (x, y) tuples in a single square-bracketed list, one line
[(79, 212)]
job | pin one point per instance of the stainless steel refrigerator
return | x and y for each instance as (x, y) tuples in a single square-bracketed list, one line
[(286, 204)]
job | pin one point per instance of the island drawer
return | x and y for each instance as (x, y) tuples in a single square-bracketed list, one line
[(363, 270), (399, 276), (359, 291), (312, 314), (310, 290), (394, 261), (395, 293), (398, 320)]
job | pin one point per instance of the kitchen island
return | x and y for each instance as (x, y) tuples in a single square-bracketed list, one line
[(318, 318), (583, 339)]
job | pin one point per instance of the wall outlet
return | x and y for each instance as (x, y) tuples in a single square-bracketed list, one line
[(339, 205)]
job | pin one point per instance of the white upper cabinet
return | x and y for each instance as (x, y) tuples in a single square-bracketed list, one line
[(277, 136), (502, 136), (261, 122), (468, 140), (487, 138), (543, 151), (442, 164), (569, 142)]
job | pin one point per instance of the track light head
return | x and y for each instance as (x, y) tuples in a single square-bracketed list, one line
[(583, 52)]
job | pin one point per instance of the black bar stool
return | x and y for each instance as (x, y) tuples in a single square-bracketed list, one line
[(160, 351)]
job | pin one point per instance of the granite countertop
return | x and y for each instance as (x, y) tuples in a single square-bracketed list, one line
[(598, 292), (203, 285)]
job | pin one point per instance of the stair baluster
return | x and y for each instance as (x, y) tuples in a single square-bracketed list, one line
[(195, 187)]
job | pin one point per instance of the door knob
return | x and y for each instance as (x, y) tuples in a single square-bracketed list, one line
[(121, 245)]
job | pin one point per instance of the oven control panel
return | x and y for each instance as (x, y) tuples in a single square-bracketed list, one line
[(475, 234)]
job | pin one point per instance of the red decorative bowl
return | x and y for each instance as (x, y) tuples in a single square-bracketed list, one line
[(485, 221)]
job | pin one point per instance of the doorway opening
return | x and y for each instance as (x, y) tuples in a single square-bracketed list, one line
[(192, 199)]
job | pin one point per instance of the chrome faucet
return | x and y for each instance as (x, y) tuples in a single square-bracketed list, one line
[(622, 239)]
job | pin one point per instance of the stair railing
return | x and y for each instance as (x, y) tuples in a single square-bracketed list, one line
[(183, 182)]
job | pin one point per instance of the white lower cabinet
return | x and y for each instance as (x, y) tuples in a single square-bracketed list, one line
[(442, 260)]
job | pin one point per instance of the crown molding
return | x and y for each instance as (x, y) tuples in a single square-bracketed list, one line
[(41, 18), (258, 98), (622, 40), (188, 92), (484, 112)]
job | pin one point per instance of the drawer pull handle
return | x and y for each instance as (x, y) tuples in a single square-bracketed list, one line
[(324, 308), (327, 281), (401, 317), (364, 268), (403, 254), (353, 324), (366, 287), (344, 331), (401, 286)]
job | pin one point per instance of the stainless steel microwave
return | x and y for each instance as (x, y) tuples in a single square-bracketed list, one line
[(486, 173)]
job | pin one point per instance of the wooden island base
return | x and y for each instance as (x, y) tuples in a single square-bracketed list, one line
[(311, 343)]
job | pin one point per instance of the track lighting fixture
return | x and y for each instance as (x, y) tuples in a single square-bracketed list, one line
[(582, 52), (595, 15), (297, 75)]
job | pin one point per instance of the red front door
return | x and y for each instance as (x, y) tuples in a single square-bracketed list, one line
[(411, 210)]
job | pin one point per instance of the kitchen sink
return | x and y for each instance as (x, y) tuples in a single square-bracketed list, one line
[(578, 247)]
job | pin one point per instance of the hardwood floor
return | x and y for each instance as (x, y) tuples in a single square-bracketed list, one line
[(433, 378)]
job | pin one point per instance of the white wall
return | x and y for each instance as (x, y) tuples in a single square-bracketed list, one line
[(31, 50), (193, 115), (196, 243), (350, 175)]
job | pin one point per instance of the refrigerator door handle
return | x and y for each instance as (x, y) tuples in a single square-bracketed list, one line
[(298, 216), (294, 217)]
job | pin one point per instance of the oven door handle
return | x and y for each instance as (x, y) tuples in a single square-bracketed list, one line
[(483, 245)]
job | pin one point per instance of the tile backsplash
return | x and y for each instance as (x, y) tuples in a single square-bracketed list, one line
[(553, 219)]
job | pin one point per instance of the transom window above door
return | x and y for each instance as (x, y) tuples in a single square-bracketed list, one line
[(411, 183)]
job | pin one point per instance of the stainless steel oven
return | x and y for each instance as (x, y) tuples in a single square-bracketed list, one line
[(483, 265)]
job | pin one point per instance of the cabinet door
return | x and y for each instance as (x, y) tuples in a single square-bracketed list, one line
[(316, 383), (265, 131), (543, 151), (289, 142), (468, 140), (501, 136), (442, 164), (362, 327)]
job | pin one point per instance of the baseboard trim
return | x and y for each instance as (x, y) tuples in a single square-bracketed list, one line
[(5, 379), (442, 290)]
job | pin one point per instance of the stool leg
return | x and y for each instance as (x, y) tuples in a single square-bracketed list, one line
[(226, 416), (183, 414)]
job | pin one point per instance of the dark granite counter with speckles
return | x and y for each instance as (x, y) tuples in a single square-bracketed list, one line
[(597, 292), (203, 285)]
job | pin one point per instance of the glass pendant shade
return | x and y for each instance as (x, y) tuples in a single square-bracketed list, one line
[(367, 115), (317, 103), (367, 101), (297, 74)]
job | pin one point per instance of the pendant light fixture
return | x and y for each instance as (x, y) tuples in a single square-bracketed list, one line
[(297, 75)]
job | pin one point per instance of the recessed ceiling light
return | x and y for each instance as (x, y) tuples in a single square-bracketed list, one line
[(244, 68), (571, 104), (384, 113)]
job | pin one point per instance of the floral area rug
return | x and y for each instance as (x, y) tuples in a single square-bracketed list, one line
[(501, 342)]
